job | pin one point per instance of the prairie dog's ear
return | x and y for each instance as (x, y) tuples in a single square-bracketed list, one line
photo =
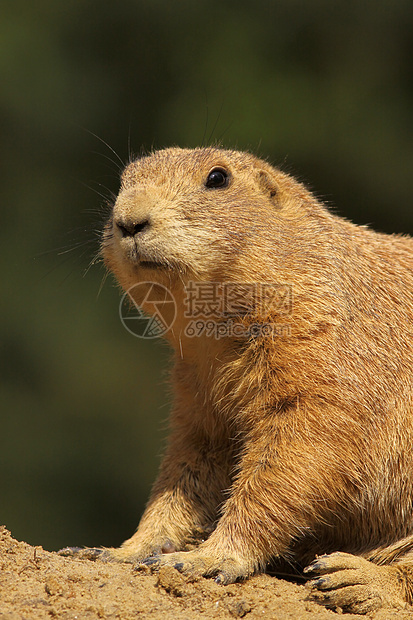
[(267, 182)]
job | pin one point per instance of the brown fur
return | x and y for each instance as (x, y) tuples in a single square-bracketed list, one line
[(286, 446)]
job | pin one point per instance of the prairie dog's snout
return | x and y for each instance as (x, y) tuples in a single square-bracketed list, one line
[(132, 212)]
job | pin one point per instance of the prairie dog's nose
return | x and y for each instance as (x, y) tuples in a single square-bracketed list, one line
[(132, 212), (130, 227)]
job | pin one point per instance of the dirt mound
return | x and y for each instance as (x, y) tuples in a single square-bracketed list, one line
[(37, 584)]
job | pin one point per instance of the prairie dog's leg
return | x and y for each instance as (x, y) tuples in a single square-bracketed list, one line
[(183, 505), (184, 502), (282, 488)]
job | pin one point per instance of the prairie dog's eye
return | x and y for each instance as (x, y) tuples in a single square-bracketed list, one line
[(218, 177)]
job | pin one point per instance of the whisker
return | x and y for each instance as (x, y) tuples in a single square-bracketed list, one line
[(75, 247), (224, 132), (59, 265), (96, 259), (216, 122), (108, 191), (206, 119), (129, 144), (122, 163), (102, 283), (65, 248), (112, 161)]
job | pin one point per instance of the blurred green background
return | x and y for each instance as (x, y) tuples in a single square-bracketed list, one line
[(322, 88)]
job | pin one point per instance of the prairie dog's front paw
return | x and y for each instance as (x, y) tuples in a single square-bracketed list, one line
[(199, 563), (83, 553), (130, 553)]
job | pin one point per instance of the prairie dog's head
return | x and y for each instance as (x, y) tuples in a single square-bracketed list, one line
[(192, 214)]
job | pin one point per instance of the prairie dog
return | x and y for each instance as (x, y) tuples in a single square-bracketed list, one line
[(292, 435)]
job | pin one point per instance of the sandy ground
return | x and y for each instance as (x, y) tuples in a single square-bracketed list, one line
[(37, 584)]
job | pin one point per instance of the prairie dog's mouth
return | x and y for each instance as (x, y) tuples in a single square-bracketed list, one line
[(151, 264), (142, 257)]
